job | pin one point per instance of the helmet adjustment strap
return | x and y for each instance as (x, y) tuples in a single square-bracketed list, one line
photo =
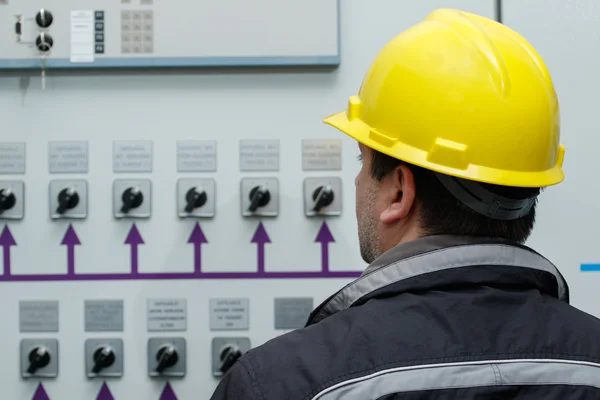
[(481, 200)]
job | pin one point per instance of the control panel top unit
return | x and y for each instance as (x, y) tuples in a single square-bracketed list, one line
[(149, 33)]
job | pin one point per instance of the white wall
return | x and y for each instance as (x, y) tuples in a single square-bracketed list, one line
[(565, 34), (229, 105)]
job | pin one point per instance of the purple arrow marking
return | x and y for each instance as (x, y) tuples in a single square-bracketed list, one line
[(260, 238), (197, 238), (70, 240), (134, 239), (6, 241), (324, 237), (104, 393), (40, 393), (181, 276), (168, 393)]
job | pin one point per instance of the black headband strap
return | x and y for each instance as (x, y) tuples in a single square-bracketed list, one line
[(481, 200)]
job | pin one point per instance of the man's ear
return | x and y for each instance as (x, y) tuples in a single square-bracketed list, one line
[(401, 196)]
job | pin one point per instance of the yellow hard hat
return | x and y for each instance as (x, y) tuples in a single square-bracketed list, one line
[(462, 95)]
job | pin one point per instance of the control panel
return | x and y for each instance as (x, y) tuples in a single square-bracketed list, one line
[(142, 238), (128, 33)]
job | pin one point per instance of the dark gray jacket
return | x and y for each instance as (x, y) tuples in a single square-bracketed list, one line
[(439, 318)]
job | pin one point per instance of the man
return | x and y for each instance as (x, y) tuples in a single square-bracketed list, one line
[(458, 128)]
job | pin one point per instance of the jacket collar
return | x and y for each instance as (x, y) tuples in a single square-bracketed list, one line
[(436, 261)]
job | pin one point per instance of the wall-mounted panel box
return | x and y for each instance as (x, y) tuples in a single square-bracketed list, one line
[(101, 34)]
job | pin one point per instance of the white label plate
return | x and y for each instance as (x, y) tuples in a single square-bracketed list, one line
[(259, 155), (12, 158), (68, 157), (196, 156), (38, 316), (132, 156), (321, 154), (82, 36), (229, 314), (165, 315), (292, 313), (104, 315)]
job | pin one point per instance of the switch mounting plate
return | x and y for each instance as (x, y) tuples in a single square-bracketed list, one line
[(311, 185), (120, 186), (18, 210), (80, 211), (271, 209), (116, 369), (220, 343), (208, 209), (155, 344), (49, 371)]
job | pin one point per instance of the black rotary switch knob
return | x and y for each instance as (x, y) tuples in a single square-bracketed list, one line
[(166, 357), (229, 355), (68, 199), (7, 200), (195, 198), (104, 357), (259, 197), (131, 198), (322, 196), (44, 18), (39, 358), (44, 42)]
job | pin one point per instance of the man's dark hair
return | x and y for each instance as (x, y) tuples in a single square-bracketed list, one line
[(443, 214)]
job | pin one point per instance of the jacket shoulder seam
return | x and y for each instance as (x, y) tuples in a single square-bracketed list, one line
[(253, 378)]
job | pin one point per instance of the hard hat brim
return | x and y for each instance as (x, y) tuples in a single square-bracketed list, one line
[(363, 133)]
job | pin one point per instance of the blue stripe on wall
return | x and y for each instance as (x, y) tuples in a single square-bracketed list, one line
[(590, 267)]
